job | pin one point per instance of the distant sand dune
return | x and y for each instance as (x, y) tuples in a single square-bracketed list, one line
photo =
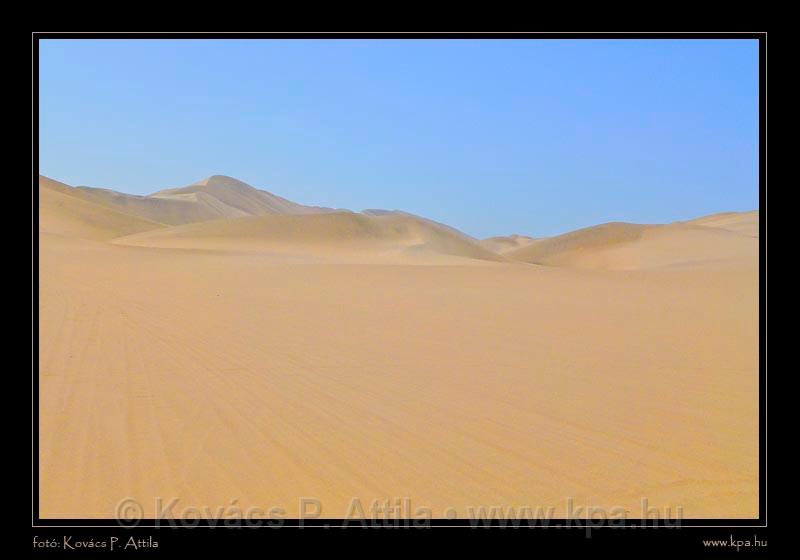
[(64, 211), (344, 232), (570, 248), (503, 244), (167, 210), (224, 214), (624, 246), (237, 194), (215, 197), (746, 223)]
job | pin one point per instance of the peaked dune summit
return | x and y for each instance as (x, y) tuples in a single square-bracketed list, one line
[(216, 197)]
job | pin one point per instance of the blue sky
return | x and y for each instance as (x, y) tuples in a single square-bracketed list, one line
[(491, 136)]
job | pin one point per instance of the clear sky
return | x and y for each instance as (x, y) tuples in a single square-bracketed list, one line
[(490, 136)]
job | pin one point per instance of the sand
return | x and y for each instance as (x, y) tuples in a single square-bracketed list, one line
[(213, 198), (745, 223), (505, 243), (260, 359), (339, 234), (62, 210), (623, 246)]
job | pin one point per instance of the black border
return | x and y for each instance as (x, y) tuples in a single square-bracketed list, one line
[(712, 525)]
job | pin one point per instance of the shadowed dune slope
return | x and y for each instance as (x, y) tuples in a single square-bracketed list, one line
[(340, 232), (63, 210)]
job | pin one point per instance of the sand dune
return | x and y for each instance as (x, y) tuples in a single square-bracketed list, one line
[(434, 223), (503, 244), (167, 210), (571, 248), (195, 362), (224, 214), (322, 234), (624, 246), (745, 223), (212, 198), (64, 211), (241, 196)]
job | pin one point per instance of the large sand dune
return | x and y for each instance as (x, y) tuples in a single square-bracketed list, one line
[(240, 195), (621, 246), (746, 223), (64, 211), (216, 197), (193, 362), (342, 233)]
